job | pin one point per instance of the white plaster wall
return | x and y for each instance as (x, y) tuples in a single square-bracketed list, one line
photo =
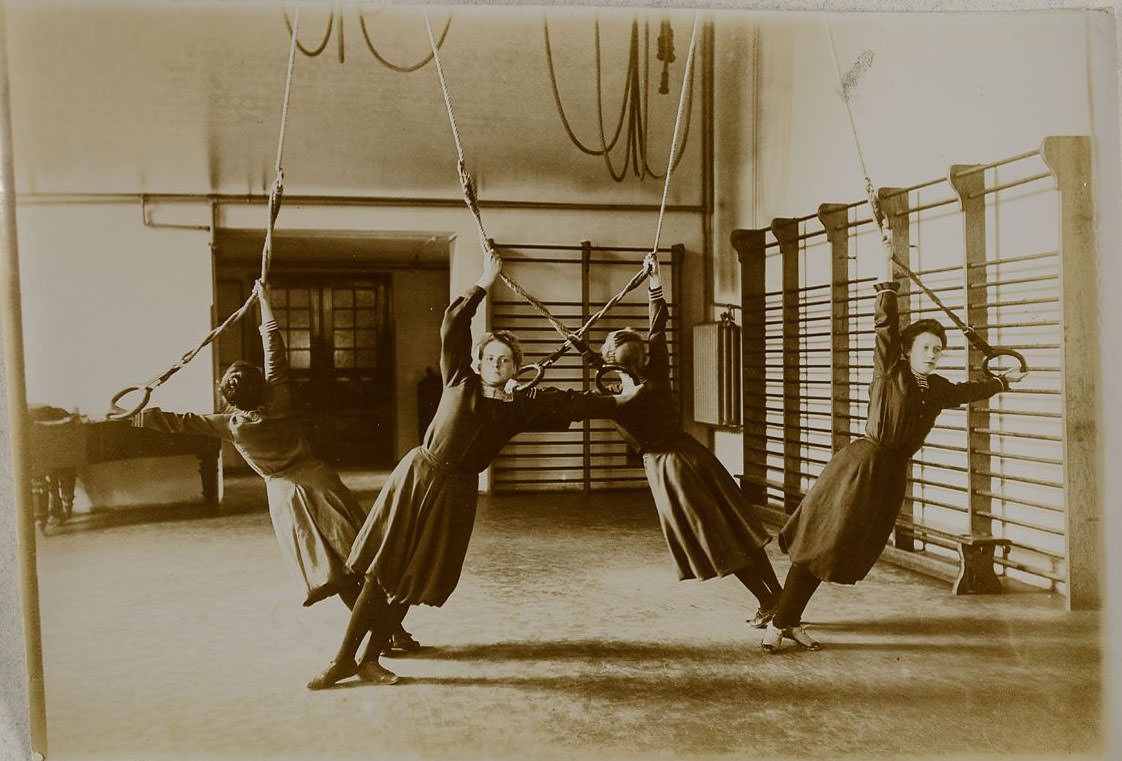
[(419, 300)]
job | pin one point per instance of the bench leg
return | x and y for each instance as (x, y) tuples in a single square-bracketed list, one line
[(975, 573), (208, 472)]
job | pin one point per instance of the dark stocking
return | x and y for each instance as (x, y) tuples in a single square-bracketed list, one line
[(763, 567), (750, 578), (797, 591), (368, 614), (386, 623)]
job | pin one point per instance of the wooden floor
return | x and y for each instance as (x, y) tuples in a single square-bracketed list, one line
[(173, 634)]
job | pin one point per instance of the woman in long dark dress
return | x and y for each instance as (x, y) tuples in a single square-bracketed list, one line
[(412, 546), (315, 516), (843, 523), (708, 526)]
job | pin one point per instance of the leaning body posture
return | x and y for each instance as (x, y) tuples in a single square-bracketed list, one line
[(315, 516), (412, 546), (844, 521), (708, 526)]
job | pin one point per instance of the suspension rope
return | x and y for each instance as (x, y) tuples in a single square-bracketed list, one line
[(119, 413), (467, 183), (848, 82), (674, 140), (572, 338)]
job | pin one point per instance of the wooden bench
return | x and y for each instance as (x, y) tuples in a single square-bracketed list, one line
[(975, 572), (60, 443)]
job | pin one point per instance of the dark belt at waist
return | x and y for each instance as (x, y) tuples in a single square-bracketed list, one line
[(883, 448), (665, 443), (445, 467)]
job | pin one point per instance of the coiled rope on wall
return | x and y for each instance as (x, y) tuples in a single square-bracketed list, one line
[(633, 108)]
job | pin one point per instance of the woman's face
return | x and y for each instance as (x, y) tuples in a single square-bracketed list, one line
[(925, 352), (630, 355), (496, 364)]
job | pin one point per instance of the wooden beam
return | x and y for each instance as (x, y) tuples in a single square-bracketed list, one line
[(1069, 158), (751, 250)]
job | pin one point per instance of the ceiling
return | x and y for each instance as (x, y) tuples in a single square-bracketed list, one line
[(186, 97)]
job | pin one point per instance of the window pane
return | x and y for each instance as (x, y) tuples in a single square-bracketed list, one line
[(299, 359), (344, 359), (367, 358), (344, 339), (299, 318), (364, 318), (300, 339), (364, 297), (342, 298), (366, 339), (298, 297), (344, 318)]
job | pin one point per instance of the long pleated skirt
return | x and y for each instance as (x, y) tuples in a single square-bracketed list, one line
[(708, 526), (843, 523), (315, 518), (416, 536)]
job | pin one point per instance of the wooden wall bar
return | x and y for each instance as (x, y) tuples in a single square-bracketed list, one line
[(1023, 468)]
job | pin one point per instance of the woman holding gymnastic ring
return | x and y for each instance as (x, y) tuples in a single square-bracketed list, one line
[(411, 548), (708, 526), (315, 516), (844, 521)]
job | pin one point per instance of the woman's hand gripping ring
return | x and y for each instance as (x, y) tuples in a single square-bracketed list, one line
[(604, 370), (999, 352), (539, 373)]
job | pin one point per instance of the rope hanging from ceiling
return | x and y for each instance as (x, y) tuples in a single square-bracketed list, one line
[(118, 412), (634, 107)]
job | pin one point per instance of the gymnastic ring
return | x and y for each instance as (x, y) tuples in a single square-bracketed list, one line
[(539, 373), (120, 413), (603, 370), (1003, 353)]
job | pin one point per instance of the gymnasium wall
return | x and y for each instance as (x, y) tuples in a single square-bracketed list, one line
[(113, 100)]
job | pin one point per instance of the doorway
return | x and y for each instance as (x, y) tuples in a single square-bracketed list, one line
[(338, 332), (360, 312), (340, 354)]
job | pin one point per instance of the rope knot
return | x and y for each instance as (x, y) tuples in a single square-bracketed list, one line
[(467, 182)]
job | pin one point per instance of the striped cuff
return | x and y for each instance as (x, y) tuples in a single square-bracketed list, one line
[(268, 327), (655, 293), (887, 285)]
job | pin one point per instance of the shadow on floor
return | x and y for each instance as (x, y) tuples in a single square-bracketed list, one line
[(631, 652), (101, 518)]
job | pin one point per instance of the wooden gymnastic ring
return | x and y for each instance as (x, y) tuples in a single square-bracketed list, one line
[(1003, 353), (539, 373), (603, 370), (117, 412)]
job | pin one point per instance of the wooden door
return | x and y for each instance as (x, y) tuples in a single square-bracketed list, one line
[(339, 336)]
